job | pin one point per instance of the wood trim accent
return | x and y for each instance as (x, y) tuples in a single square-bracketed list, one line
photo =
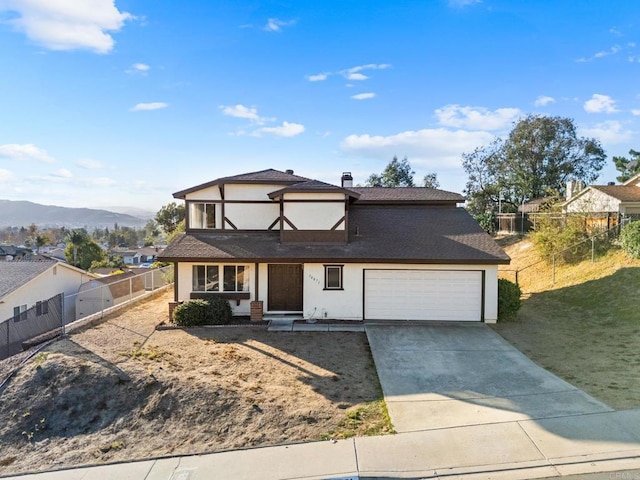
[(289, 223), (338, 223), (482, 295), (275, 222), (313, 236), (257, 281), (281, 218), (308, 200), (222, 214), (176, 288), (226, 220)]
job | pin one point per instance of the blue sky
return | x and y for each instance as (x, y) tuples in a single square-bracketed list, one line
[(109, 103)]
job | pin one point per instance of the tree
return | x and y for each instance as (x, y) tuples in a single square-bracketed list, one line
[(398, 173), (41, 240), (82, 251), (430, 180), (628, 167), (169, 216), (537, 159)]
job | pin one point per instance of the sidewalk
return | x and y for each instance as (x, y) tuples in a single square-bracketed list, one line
[(557, 447)]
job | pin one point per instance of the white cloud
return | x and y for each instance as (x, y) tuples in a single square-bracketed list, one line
[(318, 77), (275, 24), (149, 106), (139, 68), (635, 112), (363, 96), (68, 25), (5, 175), (98, 181), (476, 118), (463, 3), (609, 133), (62, 173), (26, 151), (603, 53), (600, 104), (432, 148), (356, 76), (241, 111), (285, 130), (543, 100), (89, 164)]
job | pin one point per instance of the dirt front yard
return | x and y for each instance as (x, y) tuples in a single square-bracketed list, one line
[(124, 391)]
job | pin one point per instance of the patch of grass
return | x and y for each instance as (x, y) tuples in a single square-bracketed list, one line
[(152, 352), (370, 419), (6, 461)]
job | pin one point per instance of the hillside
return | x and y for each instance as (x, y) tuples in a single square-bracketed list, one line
[(22, 213), (584, 326)]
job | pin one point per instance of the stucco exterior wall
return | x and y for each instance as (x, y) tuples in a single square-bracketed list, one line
[(593, 201), (209, 193), (347, 304), (249, 192), (343, 304), (314, 216), (57, 279), (252, 216)]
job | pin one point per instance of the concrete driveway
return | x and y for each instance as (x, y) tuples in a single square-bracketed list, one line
[(441, 375)]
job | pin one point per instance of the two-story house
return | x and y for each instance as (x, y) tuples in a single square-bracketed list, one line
[(285, 244)]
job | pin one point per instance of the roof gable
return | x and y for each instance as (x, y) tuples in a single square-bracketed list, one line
[(15, 274), (263, 176)]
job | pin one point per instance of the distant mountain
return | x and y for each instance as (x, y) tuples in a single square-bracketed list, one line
[(21, 213), (133, 211)]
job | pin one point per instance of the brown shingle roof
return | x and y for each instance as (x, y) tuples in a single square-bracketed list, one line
[(377, 234), (313, 186), (624, 193), (406, 194), (263, 176)]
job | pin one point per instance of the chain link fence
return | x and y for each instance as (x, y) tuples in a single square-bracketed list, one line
[(537, 276), (93, 300), (44, 317)]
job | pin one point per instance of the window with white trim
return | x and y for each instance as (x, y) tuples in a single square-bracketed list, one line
[(202, 215), (333, 277), (206, 278)]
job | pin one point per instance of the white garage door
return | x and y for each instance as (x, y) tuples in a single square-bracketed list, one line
[(423, 295)]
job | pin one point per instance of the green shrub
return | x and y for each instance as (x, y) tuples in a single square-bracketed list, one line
[(192, 313), (219, 312), (487, 221), (630, 239), (509, 301), (566, 237)]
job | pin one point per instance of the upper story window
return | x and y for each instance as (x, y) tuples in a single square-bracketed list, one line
[(202, 215)]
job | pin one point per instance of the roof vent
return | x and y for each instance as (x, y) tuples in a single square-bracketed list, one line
[(289, 172), (347, 180)]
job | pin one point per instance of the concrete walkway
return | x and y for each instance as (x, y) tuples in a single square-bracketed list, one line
[(514, 421)]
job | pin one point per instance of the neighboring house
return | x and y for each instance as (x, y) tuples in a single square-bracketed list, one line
[(149, 254), (129, 257), (23, 284), (606, 205), (278, 243), (105, 292)]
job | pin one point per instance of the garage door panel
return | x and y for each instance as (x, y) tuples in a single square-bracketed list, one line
[(423, 295)]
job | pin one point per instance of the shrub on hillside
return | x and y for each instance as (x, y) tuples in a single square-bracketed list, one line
[(563, 236), (509, 300), (219, 312), (630, 239), (192, 313), (487, 221)]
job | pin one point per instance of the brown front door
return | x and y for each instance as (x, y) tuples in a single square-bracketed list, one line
[(285, 287)]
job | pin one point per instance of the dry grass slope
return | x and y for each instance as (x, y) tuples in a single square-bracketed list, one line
[(585, 327), (124, 391)]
